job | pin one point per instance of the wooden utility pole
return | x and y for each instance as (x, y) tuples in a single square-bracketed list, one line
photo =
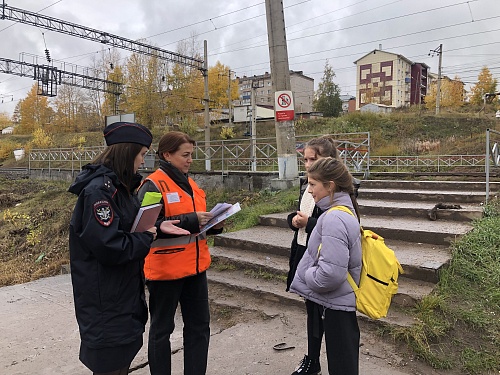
[(280, 75)]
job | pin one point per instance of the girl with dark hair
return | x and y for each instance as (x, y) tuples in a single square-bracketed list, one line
[(302, 222), (106, 259), (175, 270), (333, 251)]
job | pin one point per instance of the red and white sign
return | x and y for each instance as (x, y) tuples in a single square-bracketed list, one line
[(283, 106)]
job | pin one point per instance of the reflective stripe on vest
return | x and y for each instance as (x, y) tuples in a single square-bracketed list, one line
[(175, 258)]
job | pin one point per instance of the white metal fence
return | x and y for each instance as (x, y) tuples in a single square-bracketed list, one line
[(237, 155), (225, 156)]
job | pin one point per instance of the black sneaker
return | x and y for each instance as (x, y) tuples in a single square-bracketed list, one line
[(308, 366)]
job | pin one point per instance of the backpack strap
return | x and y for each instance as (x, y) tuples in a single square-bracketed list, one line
[(350, 280)]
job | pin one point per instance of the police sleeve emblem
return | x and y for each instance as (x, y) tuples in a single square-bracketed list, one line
[(103, 213)]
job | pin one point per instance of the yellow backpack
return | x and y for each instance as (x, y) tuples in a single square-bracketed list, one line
[(379, 274)]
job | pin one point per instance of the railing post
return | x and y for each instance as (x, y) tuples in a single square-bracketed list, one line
[(222, 156), (367, 174), (487, 163)]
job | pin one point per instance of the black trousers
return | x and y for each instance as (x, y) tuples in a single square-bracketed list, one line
[(342, 342), (315, 329), (164, 296)]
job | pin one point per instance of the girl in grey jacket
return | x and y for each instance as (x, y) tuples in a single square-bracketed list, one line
[(321, 275)]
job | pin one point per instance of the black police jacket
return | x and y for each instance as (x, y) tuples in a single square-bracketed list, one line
[(107, 260)]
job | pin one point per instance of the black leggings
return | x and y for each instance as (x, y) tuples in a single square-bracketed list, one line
[(315, 329), (123, 371)]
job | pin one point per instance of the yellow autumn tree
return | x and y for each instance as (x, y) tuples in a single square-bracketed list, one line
[(4, 120), (456, 92), (430, 97), (145, 91), (112, 102), (486, 84), (68, 105), (34, 112), (452, 94), (218, 86), (184, 98)]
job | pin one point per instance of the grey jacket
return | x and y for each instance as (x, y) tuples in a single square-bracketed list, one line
[(323, 278)]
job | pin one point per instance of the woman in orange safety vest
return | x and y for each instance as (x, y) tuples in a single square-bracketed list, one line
[(175, 267)]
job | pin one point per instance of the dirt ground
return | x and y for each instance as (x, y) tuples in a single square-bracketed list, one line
[(40, 336)]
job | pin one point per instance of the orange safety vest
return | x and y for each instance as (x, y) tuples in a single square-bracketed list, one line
[(175, 258)]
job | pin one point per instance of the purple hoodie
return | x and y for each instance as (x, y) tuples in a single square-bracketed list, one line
[(323, 278)]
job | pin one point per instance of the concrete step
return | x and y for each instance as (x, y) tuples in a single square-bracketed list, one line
[(410, 195), (439, 232), (268, 248), (467, 212), (417, 209), (464, 186), (420, 262), (416, 230), (267, 295)]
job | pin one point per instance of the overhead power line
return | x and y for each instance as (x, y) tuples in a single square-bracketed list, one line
[(50, 23)]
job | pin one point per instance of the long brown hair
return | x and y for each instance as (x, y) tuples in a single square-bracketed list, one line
[(330, 169), (120, 159), (172, 141), (323, 146)]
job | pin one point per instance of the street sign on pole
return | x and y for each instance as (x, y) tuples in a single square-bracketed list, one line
[(283, 106)]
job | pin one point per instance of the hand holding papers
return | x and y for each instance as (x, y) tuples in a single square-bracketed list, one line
[(221, 212)]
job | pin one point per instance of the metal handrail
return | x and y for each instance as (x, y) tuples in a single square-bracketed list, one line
[(492, 152)]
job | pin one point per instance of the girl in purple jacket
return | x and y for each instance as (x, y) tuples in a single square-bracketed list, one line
[(321, 275)]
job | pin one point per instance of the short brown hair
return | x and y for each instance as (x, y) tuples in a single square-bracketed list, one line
[(172, 141)]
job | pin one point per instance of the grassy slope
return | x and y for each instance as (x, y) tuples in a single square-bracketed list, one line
[(454, 133)]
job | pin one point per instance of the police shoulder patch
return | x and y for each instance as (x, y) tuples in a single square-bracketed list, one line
[(103, 213)]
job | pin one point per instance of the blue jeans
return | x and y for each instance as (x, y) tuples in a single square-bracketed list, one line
[(164, 296)]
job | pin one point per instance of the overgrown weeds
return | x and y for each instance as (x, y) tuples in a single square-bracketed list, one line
[(35, 215), (34, 218), (458, 326)]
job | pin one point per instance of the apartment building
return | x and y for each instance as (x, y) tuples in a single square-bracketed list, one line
[(420, 82), (301, 86), (390, 79)]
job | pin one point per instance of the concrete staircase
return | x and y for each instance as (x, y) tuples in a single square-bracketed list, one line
[(250, 266)]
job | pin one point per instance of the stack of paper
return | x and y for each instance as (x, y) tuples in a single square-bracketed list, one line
[(221, 212)]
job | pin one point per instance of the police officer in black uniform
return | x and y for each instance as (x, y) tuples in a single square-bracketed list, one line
[(106, 259)]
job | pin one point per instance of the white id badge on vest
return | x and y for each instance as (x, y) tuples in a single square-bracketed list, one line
[(173, 197)]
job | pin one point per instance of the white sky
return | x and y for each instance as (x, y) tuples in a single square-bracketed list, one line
[(317, 30)]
